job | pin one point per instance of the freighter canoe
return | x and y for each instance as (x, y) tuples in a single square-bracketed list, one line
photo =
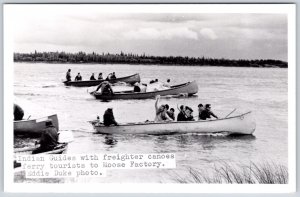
[(34, 126), (132, 79), (188, 88), (241, 124)]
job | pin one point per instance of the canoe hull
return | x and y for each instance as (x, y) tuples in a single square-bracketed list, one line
[(188, 89), (242, 124), (34, 126), (129, 79)]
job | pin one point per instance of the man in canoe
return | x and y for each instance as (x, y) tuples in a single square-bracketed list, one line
[(18, 112), (68, 75), (78, 77), (108, 117), (181, 114), (188, 114), (49, 139), (171, 113), (200, 110), (113, 76), (207, 113), (105, 88), (92, 77), (100, 77), (161, 112)]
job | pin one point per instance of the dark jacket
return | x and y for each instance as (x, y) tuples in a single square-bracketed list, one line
[(206, 114), (49, 139), (78, 78), (68, 76), (92, 77), (18, 112), (108, 118), (181, 116)]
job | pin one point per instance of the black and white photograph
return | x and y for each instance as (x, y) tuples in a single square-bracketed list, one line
[(185, 97)]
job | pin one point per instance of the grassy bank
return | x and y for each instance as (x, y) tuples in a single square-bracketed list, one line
[(266, 173)]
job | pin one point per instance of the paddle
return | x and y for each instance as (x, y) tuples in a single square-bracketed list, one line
[(230, 112), (28, 117)]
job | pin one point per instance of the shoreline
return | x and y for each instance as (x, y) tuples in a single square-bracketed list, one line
[(146, 64)]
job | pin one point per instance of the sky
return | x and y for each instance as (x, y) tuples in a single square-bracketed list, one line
[(91, 29)]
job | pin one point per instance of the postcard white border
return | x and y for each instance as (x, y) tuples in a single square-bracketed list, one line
[(289, 9)]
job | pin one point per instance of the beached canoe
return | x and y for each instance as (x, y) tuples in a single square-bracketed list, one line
[(34, 126), (188, 88), (59, 149), (132, 79), (241, 124)]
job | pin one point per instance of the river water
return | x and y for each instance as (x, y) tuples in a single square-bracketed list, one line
[(38, 88)]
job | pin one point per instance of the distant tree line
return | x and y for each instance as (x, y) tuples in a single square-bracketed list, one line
[(130, 58)]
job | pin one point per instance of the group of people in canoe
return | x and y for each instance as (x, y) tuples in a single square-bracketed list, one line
[(163, 113), (78, 77)]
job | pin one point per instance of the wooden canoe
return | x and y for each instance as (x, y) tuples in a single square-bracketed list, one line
[(241, 124), (34, 126), (188, 88), (132, 79)]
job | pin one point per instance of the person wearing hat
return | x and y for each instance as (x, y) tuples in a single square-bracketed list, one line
[(207, 113), (48, 140), (188, 114), (68, 75), (108, 117)]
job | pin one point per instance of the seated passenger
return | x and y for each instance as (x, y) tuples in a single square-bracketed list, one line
[(100, 77), (171, 113), (105, 88), (207, 113), (161, 112), (181, 114), (143, 87), (167, 85), (189, 114), (92, 77), (18, 112), (136, 87), (49, 138), (113, 76), (200, 110), (153, 81), (78, 77), (108, 118)]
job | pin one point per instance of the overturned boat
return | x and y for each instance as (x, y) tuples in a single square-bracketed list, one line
[(189, 89), (132, 79), (240, 124), (34, 126)]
